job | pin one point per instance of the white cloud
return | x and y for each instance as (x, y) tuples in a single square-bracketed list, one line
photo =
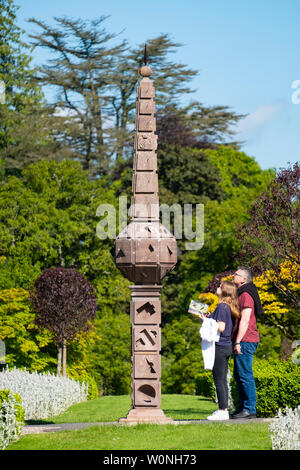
[(256, 120)]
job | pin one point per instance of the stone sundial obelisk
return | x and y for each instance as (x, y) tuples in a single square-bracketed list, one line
[(144, 253)]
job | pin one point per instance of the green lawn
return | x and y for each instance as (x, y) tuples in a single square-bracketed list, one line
[(221, 436), (111, 408)]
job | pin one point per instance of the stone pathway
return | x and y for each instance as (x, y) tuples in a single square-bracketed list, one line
[(42, 428)]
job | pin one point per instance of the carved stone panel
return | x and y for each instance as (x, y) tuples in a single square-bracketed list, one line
[(146, 393), (146, 123), (146, 91), (145, 311), (146, 107), (147, 251), (146, 182), (146, 161), (145, 206), (168, 251), (147, 366), (146, 142), (124, 251), (127, 271), (146, 338), (146, 274)]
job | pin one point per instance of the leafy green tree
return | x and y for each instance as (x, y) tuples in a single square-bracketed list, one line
[(181, 355), (48, 218), (15, 60), (26, 345), (240, 174), (111, 356), (24, 117), (188, 176)]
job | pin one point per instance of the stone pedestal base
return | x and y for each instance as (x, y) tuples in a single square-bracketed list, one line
[(146, 415)]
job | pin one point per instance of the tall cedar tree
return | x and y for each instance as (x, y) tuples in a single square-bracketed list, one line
[(83, 72), (271, 236), (64, 303), (97, 83), (196, 126)]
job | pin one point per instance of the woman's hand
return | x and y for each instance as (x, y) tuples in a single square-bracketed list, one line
[(201, 317)]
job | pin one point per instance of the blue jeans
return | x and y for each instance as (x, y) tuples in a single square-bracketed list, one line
[(243, 376)]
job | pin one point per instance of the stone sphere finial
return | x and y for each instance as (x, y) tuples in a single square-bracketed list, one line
[(145, 71)]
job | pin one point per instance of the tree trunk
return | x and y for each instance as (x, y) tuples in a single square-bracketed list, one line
[(61, 258), (64, 360), (286, 348), (59, 357)]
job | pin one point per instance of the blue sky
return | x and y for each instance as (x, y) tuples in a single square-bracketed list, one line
[(246, 52)]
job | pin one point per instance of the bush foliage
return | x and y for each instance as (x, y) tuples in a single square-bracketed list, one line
[(277, 386), (11, 417)]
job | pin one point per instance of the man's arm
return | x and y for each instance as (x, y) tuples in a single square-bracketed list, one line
[(243, 326)]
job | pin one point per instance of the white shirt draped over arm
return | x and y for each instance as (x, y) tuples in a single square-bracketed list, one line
[(210, 335)]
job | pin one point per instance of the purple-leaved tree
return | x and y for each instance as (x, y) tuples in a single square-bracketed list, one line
[(271, 236), (64, 303)]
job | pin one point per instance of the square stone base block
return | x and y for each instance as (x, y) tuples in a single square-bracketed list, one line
[(146, 415)]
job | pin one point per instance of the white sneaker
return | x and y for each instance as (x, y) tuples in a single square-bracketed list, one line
[(219, 415)]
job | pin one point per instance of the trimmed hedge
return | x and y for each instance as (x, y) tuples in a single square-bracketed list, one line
[(277, 386)]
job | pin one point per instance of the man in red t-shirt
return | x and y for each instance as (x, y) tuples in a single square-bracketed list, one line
[(246, 340)]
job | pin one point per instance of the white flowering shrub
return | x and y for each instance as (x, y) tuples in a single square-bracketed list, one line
[(230, 398), (43, 394), (11, 418), (285, 430)]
